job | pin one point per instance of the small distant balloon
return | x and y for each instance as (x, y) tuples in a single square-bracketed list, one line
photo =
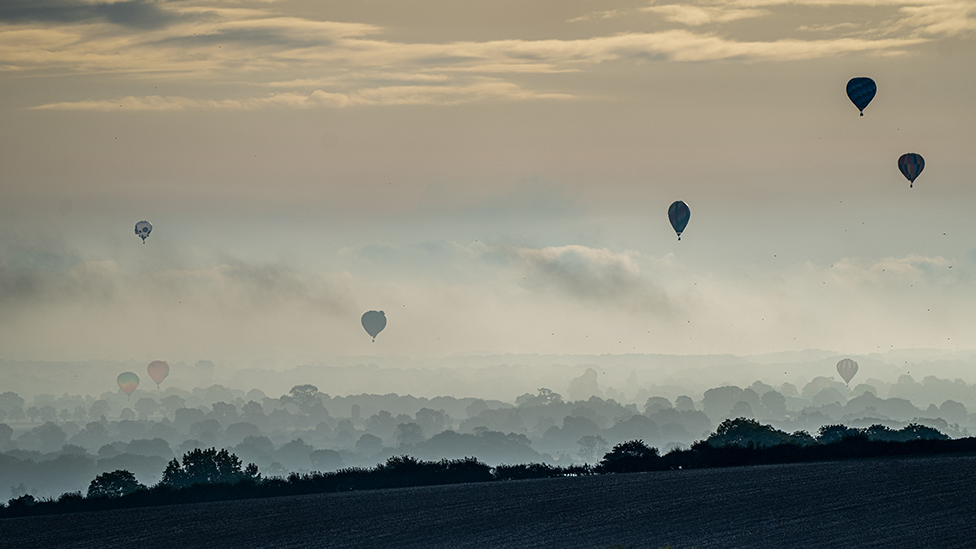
[(679, 214), (65, 206), (847, 368), (158, 370), (911, 165), (374, 322), (143, 228), (128, 382), (861, 91)]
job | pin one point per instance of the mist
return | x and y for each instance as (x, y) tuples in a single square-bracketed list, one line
[(359, 411)]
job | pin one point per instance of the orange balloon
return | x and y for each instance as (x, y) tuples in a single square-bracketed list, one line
[(158, 370)]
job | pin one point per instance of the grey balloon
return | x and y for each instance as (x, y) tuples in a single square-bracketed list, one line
[(143, 228), (374, 322)]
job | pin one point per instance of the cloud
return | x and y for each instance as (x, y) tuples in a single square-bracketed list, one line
[(698, 15), (350, 64), (49, 276), (137, 14), (389, 95), (911, 269), (597, 15), (598, 277)]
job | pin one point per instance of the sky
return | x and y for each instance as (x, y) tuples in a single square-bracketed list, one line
[(494, 175)]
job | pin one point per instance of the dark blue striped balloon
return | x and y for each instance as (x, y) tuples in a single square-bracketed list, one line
[(679, 214), (861, 90), (911, 164)]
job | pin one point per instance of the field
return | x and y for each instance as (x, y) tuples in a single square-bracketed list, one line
[(915, 503)]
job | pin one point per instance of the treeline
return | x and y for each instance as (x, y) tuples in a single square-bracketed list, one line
[(212, 475)]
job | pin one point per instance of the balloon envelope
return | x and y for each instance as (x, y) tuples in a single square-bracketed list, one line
[(911, 164), (158, 370), (679, 214), (143, 228), (128, 382), (374, 322), (847, 368), (861, 91)]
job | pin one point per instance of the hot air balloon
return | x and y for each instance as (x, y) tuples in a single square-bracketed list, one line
[(911, 165), (847, 368), (128, 382), (143, 228), (374, 322), (158, 370), (679, 214), (861, 90)]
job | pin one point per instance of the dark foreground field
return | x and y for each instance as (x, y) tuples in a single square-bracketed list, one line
[(916, 503)]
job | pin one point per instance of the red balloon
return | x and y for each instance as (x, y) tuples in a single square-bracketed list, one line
[(158, 370)]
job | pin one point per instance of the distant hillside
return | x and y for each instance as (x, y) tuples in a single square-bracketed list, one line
[(914, 502)]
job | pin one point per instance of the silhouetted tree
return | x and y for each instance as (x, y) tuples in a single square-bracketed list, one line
[(836, 433), (23, 501), (631, 456), (745, 432), (112, 485), (207, 467)]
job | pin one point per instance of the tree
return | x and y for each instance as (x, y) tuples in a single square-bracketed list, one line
[(306, 398), (17, 414), (381, 423), (745, 432), (433, 421), (47, 413), (224, 412), (775, 403), (835, 433), (409, 434), (10, 400), (295, 454), (98, 409), (656, 403), (146, 407), (326, 460), (253, 411), (207, 467), (115, 484), (629, 456), (172, 403), (49, 436), (80, 414), (25, 500), (544, 397), (32, 413), (591, 446), (369, 444), (684, 404)]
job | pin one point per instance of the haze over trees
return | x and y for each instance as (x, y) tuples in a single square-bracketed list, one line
[(51, 445)]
